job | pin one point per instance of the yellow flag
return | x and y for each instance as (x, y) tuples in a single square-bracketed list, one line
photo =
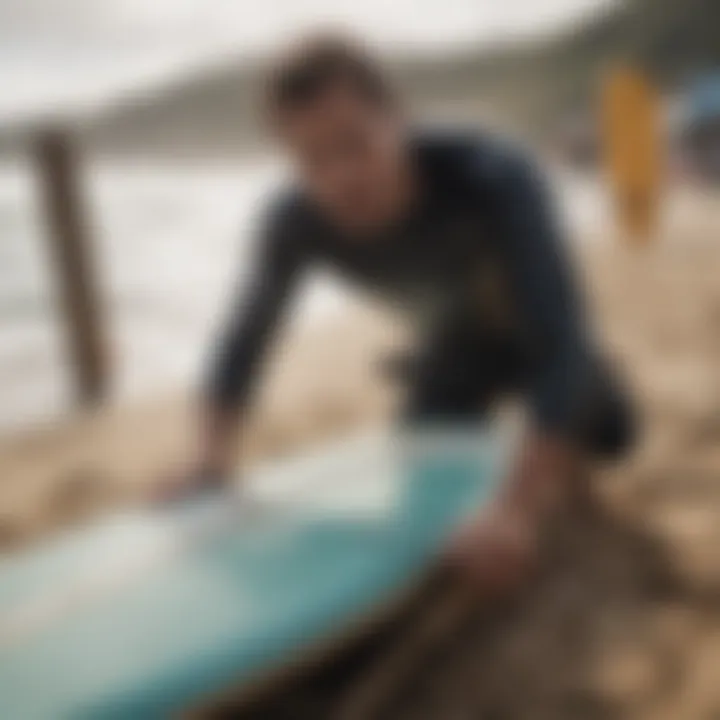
[(633, 150)]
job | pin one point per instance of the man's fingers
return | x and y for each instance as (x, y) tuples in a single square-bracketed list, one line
[(184, 484), (494, 552)]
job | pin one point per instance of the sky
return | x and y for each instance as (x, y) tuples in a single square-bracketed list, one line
[(61, 54)]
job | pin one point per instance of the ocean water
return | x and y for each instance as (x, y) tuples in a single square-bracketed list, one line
[(171, 246)]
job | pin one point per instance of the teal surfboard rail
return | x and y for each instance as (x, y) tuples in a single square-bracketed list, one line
[(145, 614)]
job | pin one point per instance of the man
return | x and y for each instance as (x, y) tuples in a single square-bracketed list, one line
[(456, 229)]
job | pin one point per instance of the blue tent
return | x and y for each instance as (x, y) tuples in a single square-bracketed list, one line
[(701, 102)]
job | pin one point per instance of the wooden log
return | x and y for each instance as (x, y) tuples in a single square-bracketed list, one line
[(71, 252)]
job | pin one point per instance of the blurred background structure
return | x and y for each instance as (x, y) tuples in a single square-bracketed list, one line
[(131, 166), (159, 106)]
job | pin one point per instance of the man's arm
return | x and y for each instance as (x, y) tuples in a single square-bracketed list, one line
[(549, 310), (498, 549), (549, 307), (241, 348)]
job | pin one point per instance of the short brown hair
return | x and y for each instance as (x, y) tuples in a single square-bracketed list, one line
[(311, 67)]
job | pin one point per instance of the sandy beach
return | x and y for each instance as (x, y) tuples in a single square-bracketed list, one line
[(625, 620)]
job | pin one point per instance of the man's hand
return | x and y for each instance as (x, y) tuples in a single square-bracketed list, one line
[(497, 550), (212, 463), (186, 482)]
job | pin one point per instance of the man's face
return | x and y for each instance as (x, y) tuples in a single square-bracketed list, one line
[(350, 154)]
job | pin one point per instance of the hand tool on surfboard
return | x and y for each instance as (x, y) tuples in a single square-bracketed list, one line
[(633, 151)]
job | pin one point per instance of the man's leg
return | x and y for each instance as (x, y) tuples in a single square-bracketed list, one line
[(606, 424), (458, 376)]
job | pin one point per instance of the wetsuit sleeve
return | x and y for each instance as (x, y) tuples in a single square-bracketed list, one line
[(256, 315), (548, 302)]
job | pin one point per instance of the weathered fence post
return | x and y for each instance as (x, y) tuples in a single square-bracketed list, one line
[(72, 255)]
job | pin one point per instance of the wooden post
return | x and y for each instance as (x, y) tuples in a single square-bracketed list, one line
[(66, 223)]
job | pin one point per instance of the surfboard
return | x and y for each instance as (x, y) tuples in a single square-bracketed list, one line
[(633, 148), (149, 612)]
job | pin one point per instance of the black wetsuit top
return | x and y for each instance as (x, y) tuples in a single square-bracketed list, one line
[(482, 244)]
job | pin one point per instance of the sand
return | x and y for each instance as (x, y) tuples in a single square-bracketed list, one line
[(624, 618)]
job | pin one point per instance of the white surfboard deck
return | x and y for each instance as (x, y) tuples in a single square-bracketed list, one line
[(148, 612)]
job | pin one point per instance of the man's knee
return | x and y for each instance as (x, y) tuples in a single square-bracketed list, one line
[(608, 425)]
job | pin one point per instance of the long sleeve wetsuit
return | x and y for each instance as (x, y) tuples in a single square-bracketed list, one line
[(479, 264)]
